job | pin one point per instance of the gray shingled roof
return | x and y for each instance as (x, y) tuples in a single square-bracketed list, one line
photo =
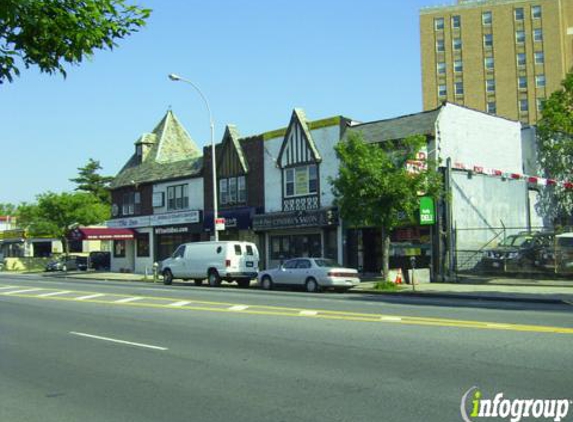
[(399, 127), (172, 154)]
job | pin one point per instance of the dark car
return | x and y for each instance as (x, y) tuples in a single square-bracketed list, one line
[(69, 263), (100, 260), (517, 253)]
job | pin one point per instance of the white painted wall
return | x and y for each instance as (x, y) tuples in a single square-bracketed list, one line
[(325, 139), (195, 190), (128, 262), (475, 138)]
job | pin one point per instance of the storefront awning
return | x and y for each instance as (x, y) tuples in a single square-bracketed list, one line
[(102, 233)]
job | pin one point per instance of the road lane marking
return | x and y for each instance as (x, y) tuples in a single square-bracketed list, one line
[(62, 292), (16, 292), (7, 287), (179, 304), (90, 296), (114, 340), (391, 318), (238, 308), (127, 300), (171, 303)]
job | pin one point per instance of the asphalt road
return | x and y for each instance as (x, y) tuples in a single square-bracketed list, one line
[(97, 351)]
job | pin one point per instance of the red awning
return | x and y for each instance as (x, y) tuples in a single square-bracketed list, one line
[(105, 233)]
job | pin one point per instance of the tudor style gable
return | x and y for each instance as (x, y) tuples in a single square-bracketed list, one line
[(299, 161), (232, 168)]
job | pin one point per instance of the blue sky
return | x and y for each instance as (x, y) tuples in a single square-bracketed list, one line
[(254, 60)]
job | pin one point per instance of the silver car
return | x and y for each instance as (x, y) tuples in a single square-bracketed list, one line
[(315, 274)]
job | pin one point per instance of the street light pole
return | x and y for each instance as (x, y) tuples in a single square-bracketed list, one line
[(174, 77)]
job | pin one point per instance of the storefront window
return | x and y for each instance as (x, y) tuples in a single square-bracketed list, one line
[(119, 248), (143, 244), (304, 245)]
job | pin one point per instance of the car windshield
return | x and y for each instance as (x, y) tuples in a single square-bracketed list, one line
[(508, 241), (327, 263), (522, 241)]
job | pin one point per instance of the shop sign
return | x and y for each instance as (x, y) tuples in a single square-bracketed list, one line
[(427, 214), (285, 220), (128, 222), (173, 218), (231, 223), (172, 230)]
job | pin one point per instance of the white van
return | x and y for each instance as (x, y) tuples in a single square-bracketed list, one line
[(216, 261)]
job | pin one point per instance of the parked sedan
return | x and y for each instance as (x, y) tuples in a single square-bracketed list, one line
[(72, 263), (314, 274)]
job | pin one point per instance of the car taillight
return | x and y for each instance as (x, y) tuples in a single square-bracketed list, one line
[(227, 263)]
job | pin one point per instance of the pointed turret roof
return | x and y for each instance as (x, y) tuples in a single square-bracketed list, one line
[(172, 154)]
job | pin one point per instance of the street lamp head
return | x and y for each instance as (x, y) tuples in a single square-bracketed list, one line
[(174, 77)]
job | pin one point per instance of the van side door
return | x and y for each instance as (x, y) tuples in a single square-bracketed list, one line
[(177, 265)]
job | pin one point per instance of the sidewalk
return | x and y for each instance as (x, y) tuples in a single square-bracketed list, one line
[(473, 288)]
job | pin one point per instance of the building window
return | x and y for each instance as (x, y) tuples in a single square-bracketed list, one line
[(489, 63), (232, 190), (520, 37), (521, 59), (540, 104), (540, 81), (518, 12), (439, 24), (442, 91), (457, 43), (536, 12), (177, 197), (142, 244), (538, 35), (459, 88), (440, 46), (539, 57), (490, 85), (119, 248), (241, 189), (223, 196), (522, 82), (491, 107), (488, 40), (441, 68), (458, 66), (456, 21), (486, 18), (301, 180), (523, 106), (131, 203)]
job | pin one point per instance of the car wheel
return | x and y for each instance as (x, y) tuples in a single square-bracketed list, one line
[(312, 286), (267, 283), (198, 282), (214, 279), (244, 283), (167, 277)]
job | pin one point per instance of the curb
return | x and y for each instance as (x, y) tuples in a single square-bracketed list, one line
[(421, 295), (464, 296)]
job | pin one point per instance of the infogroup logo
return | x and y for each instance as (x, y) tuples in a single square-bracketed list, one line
[(514, 410)]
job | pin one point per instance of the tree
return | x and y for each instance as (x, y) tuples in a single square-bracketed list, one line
[(49, 33), (375, 189), (555, 135), (8, 209), (90, 181), (55, 214)]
